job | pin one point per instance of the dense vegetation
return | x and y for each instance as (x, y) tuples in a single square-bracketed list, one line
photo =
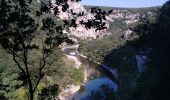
[(60, 74), (98, 49)]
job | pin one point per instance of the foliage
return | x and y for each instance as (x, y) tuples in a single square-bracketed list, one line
[(98, 49), (61, 73), (22, 36), (31, 40), (64, 73), (21, 92), (78, 75), (49, 92)]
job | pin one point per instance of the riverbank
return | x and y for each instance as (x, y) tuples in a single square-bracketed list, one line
[(76, 61), (72, 89)]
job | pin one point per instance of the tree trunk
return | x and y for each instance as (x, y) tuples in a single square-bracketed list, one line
[(31, 92), (31, 95)]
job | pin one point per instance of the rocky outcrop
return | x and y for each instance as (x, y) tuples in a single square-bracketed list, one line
[(38, 1), (128, 17), (81, 31), (127, 34), (141, 61)]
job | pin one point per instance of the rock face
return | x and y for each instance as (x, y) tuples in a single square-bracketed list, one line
[(141, 61), (38, 1), (81, 31), (128, 17), (74, 7), (127, 34)]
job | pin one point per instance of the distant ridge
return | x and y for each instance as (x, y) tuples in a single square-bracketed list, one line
[(153, 8), (122, 7)]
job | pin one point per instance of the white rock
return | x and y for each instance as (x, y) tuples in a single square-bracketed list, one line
[(127, 34)]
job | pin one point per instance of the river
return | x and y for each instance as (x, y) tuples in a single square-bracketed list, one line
[(97, 75)]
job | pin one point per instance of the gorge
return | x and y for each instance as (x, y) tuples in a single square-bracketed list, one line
[(62, 50)]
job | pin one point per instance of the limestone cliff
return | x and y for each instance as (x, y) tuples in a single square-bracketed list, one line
[(124, 16)]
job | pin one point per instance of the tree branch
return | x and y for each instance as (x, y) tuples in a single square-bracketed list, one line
[(19, 66)]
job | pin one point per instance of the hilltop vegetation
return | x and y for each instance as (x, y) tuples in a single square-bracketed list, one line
[(135, 10)]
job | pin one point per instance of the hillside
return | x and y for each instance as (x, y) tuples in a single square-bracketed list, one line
[(121, 23), (124, 18)]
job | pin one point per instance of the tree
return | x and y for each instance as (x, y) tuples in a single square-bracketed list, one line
[(31, 38), (20, 29)]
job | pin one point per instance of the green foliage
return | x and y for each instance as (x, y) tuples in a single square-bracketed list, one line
[(21, 93), (9, 85), (64, 73), (78, 75), (30, 39), (49, 92), (61, 71), (9, 82), (98, 49)]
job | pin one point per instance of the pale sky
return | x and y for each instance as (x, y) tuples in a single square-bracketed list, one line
[(124, 3)]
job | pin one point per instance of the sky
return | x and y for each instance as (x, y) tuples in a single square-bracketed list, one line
[(124, 3)]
